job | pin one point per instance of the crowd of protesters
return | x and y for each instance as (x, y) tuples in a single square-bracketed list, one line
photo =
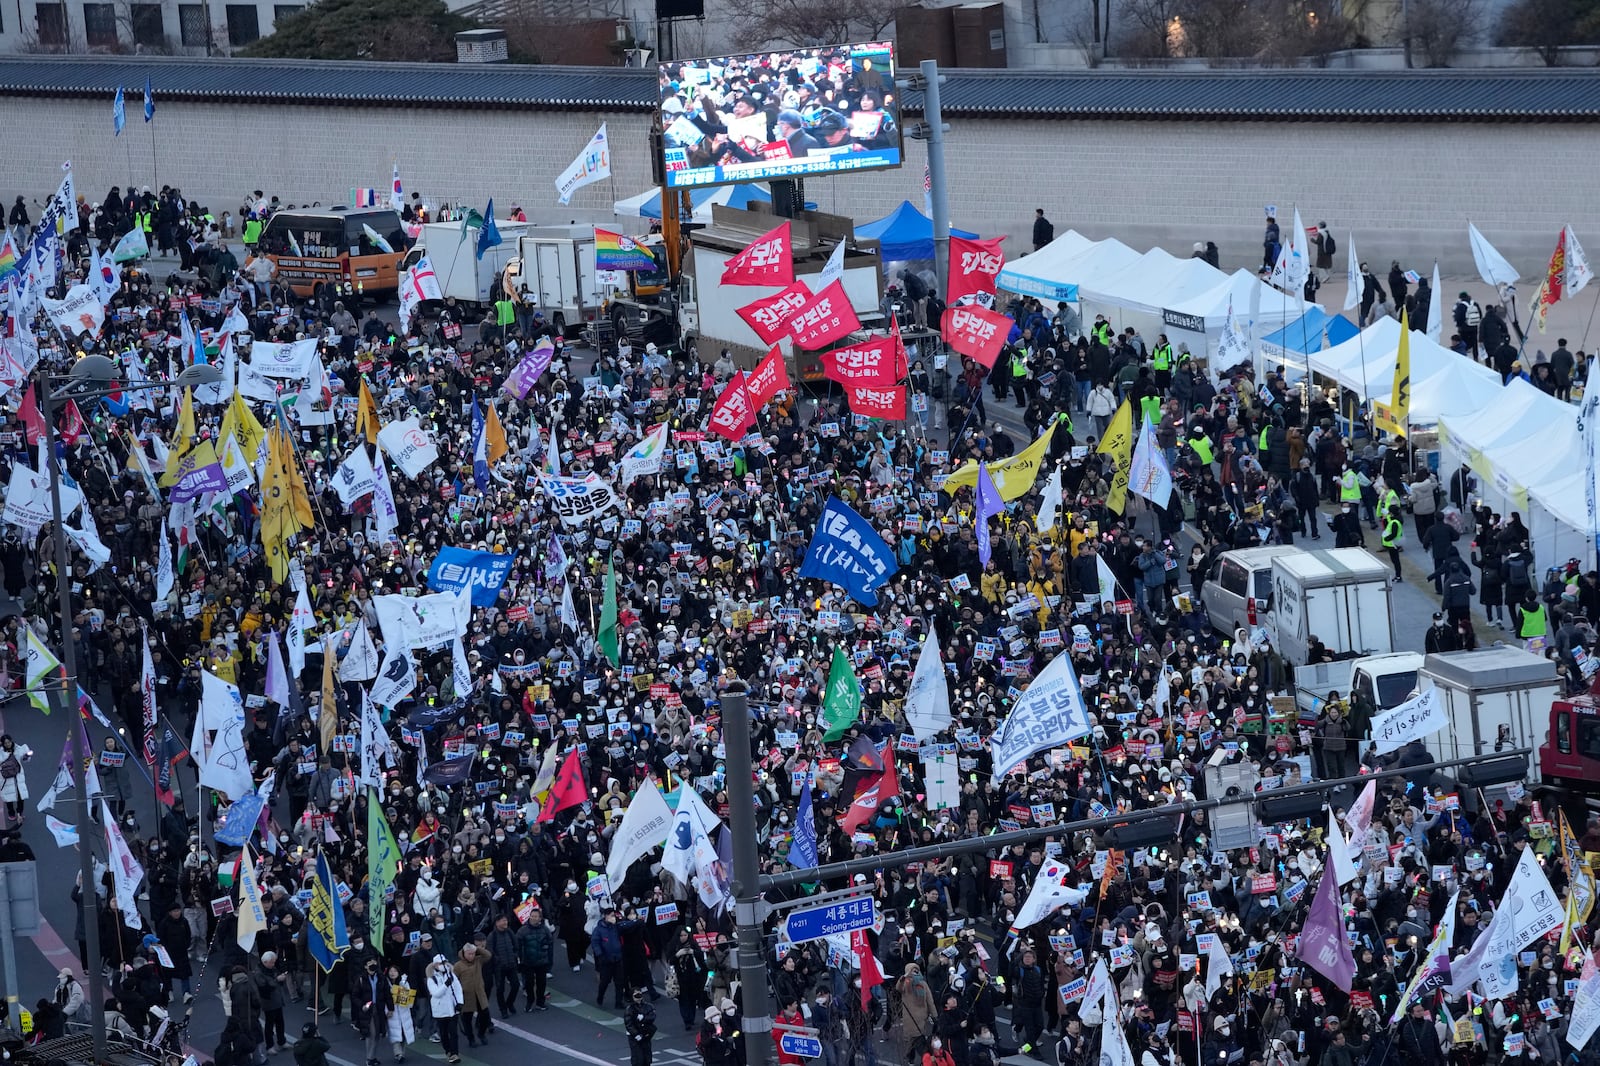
[(490, 902)]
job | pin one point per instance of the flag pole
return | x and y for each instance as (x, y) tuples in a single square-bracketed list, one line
[(155, 175)]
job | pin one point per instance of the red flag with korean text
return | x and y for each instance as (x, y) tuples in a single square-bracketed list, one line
[(974, 265), (975, 332), (567, 790), (769, 378), (767, 260), (769, 316), (885, 785), (33, 427), (873, 362), (871, 972), (71, 424), (733, 415), (827, 318), (875, 401)]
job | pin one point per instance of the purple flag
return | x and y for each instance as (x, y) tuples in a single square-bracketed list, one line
[(989, 503), (528, 370), (1323, 945), (196, 482)]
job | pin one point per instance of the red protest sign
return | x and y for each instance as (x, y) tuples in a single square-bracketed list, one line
[(869, 363), (827, 318), (769, 316), (732, 415), (1261, 885), (998, 869), (874, 402), (767, 260), (769, 378), (975, 332), (974, 265)]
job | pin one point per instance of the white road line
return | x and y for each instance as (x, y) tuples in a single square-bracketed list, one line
[(551, 1045)]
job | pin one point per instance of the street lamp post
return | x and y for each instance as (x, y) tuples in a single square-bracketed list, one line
[(90, 370)]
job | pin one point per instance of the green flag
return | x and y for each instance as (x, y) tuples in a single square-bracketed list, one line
[(470, 220), (383, 863), (841, 703), (607, 636)]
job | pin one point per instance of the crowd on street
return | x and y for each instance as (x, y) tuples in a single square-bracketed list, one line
[(501, 732)]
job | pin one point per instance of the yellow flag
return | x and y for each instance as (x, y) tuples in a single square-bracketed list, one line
[(367, 415), (494, 436), (240, 423), (1118, 443), (182, 440), (1013, 476), (285, 508), (1580, 884), (1393, 416), (329, 719)]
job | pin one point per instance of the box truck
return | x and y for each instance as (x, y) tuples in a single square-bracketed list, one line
[(554, 275), (1338, 595), (456, 266)]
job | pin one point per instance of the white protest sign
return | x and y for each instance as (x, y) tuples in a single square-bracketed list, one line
[(1419, 716), (409, 445)]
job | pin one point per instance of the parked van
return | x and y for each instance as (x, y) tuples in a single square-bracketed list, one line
[(1238, 590)]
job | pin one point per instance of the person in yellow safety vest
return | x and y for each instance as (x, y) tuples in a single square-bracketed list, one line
[(145, 221), (505, 313), (1532, 617), (1350, 487), (1183, 357), (1019, 374), (252, 232), (1102, 330), (1388, 502), (1393, 533), (1161, 362), (1201, 446)]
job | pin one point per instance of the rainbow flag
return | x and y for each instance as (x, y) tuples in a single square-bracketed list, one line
[(8, 258), (615, 251), (364, 197)]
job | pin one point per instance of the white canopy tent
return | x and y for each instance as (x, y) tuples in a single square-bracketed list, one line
[(1040, 274), (1452, 388), (1345, 362), (1521, 411)]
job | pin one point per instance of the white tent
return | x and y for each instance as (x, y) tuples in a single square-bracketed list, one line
[(1451, 388), (1154, 282), (1344, 363), (1039, 274), (1236, 291), (1519, 412), (1560, 515), (1049, 278)]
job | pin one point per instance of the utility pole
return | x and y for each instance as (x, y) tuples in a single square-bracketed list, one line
[(747, 905), (932, 129)]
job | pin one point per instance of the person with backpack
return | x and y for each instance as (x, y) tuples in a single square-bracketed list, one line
[(13, 782), (312, 1047), (1518, 577), (1468, 316)]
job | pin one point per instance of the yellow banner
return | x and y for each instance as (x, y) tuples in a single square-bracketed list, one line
[(1013, 476), (1118, 443)]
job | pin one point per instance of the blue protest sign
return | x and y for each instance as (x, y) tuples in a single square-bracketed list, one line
[(847, 551), (456, 568)]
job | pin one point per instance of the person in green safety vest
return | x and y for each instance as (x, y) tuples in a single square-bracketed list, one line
[(505, 314), (1393, 532), (145, 220), (1101, 330), (1388, 501), (1201, 446), (1533, 619), (1350, 486), (1019, 374), (1161, 362), (252, 232)]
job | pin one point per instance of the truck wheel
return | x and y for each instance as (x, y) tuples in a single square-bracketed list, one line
[(619, 324), (558, 322)]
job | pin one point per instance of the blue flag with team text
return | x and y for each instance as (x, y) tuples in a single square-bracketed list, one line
[(847, 551), (803, 849)]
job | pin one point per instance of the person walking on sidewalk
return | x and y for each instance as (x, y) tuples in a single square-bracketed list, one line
[(1393, 533)]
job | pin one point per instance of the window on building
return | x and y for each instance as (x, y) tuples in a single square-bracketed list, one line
[(192, 25), (283, 11), (51, 22), (244, 24), (148, 26), (100, 25)]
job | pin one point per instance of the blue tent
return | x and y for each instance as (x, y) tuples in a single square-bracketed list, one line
[(1304, 335), (905, 233)]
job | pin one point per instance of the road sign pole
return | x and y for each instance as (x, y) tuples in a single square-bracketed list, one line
[(746, 877), (8, 953)]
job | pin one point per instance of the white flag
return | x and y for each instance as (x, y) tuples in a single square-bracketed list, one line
[(1352, 274), (1420, 716), (1049, 713), (928, 697), (1492, 266), (221, 391), (569, 610), (644, 827), (377, 749), (1047, 895), (832, 272), (1344, 866), (218, 743), (692, 824), (410, 446), (301, 622), (385, 516), (645, 458), (1436, 308), (419, 284), (133, 245), (1527, 910), (126, 872), (460, 669), (1108, 580), (1359, 816), (1586, 1004), (62, 782), (361, 661), (1148, 474), (164, 574), (1114, 1049), (1049, 503), (397, 677), (593, 164), (1578, 273), (1218, 965), (355, 477), (1299, 264), (66, 835)]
